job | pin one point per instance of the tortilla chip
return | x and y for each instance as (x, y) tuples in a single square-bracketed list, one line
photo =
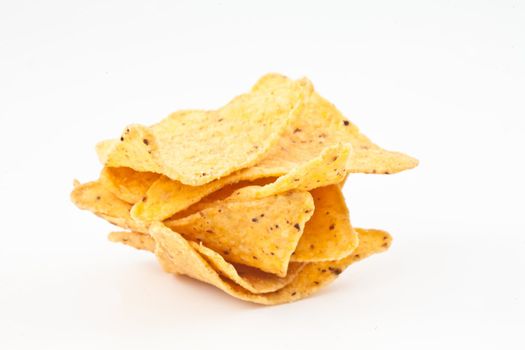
[(251, 279), (317, 275), (223, 193), (318, 127), (127, 184), (138, 240), (261, 233), (126, 223), (104, 148), (247, 277), (196, 147), (326, 169), (96, 198), (167, 197), (321, 125), (328, 235), (176, 255)]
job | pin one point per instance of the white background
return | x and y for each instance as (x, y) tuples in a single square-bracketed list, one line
[(443, 81)]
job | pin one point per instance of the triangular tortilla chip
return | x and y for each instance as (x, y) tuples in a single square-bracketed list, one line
[(127, 184), (326, 169), (261, 233), (328, 235), (251, 279), (176, 255), (247, 277), (321, 125), (196, 147), (138, 240), (167, 197), (96, 198)]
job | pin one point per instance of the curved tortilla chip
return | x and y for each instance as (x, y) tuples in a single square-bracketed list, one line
[(138, 240), (261, 233), (326, 169), (321, 125), (222, 194), (328, 235), (177, 256), (251, 279), (104, 148), (318, 127), (96, 198), (125, 223), (247, 277), (167, 197), (196, 147), (127, 184)]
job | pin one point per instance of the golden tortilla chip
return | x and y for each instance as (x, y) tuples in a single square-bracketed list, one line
[(328, 235), (318, 127), (251, 279), (167, 197), (104, 148), (261, 233), (321, 125), (196, 147), (176, 255), (126, 223), (326, 169), (96, 198), (127, 184), (247, 277), (223, 193), (138, 240)]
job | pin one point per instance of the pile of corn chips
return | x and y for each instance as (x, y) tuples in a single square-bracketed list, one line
[(246, 197)]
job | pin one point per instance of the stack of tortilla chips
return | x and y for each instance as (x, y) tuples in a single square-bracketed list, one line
[(246, 197)]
